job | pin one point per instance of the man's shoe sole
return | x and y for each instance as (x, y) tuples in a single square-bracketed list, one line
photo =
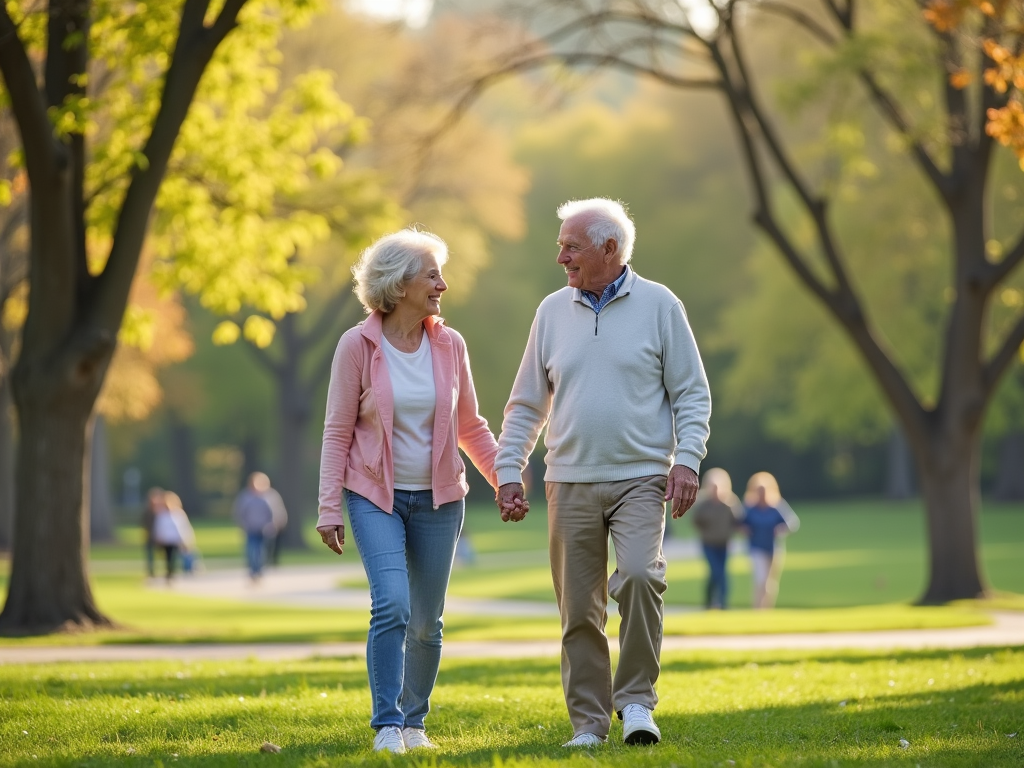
[(642, 738)]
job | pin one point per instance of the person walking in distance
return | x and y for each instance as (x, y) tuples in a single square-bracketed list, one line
[(255, 517), (611, 368), (716, 515), (767, 520)]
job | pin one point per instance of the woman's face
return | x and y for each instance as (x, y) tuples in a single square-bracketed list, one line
[(762, 496), (423, 292)]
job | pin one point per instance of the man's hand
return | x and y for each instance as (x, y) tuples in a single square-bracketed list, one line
[(512, 503), (681, 489), (333, 536)]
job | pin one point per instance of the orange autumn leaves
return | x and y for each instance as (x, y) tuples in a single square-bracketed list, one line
[(1001, 41)]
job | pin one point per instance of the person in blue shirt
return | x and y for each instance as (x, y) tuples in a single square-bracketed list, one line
[(767, 519)]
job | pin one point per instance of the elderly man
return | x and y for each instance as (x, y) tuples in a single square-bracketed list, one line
[(612, 368)]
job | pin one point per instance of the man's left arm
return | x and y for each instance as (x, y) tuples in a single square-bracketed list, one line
[(690, 398)]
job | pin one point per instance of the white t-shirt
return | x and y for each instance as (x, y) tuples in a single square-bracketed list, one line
[(412, 436), (165, 531)]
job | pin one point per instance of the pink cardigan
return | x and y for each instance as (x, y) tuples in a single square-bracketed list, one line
[(360, 409)]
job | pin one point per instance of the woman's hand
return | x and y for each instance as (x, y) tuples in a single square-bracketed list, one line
[(512, 503), (333, 536)]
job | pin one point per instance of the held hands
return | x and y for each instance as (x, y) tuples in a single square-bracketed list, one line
[(512, 503), (681, 489), (333, 536)]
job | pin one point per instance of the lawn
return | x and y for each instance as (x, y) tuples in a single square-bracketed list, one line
[(845, 554), (851, 566), (936, 709)]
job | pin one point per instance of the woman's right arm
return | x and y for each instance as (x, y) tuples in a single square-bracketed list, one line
[(342, 410)]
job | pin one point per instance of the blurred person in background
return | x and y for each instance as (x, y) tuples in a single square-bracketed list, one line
[(716, 515), (187, 548), (400, 404), (767, 520), (255, 516), (612, 370), (154, 500), (279, 516), (172, 531)]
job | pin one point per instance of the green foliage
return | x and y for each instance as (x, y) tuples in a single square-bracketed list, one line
[(793, 367), (861, 708), (224, 227)]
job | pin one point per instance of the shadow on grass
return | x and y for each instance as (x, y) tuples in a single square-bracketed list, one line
[(497, 713), (826, 657)]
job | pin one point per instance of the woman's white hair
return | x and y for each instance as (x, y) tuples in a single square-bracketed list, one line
[(384, 268), (608, 219)]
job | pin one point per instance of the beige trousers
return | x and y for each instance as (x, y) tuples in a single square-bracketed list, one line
[(581, 516)]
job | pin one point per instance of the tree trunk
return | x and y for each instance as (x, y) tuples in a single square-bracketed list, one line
[(49, 589), (949, 485), (101, 508), (6, 465), (1010, 471), (899, 468), (289, 482), (183, 462), (293, 409)]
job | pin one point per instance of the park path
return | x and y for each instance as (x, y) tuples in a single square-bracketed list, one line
[(318, 586), (1007, 630)]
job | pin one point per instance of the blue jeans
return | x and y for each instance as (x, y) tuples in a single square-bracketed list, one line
[(408, 560), (254, 552), (718, 584)]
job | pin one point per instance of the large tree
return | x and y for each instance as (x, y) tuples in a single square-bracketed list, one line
[(101, 95), (908, 81)]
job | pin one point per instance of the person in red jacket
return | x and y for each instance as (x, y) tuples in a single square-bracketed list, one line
[(400, 405)]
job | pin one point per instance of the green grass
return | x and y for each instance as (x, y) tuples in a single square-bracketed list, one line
[(852, 566), (953, 709), (845, 554)]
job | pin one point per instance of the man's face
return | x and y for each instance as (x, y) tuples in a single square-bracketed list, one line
[(588, 267)]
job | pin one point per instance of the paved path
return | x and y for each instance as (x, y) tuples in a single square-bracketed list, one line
[(1008, 630), (318, 586)]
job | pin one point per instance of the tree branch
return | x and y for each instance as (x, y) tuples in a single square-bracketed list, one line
[(843, 15), (998, 363), (261, 355), (42, 153), (996, 273), (336, 307), (891, 112), (888, 106), (800, 18), (841, 303), (816, 206), (66, 62), (193, 50), (321, 370), (536, 61)]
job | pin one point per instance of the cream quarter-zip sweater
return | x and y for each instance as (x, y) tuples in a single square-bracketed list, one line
[(623, 393)]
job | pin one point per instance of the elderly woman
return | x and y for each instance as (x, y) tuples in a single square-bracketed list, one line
[(400, 405), (716, 515), (766, 518)]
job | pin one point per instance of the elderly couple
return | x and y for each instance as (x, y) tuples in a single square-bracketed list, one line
[(611, 369)]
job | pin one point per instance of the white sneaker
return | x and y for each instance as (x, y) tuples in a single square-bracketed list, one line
[(638, 725), (585, 740), (416, 738), (389, 739)]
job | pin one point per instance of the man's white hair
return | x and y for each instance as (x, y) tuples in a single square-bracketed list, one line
[(608, 219)]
